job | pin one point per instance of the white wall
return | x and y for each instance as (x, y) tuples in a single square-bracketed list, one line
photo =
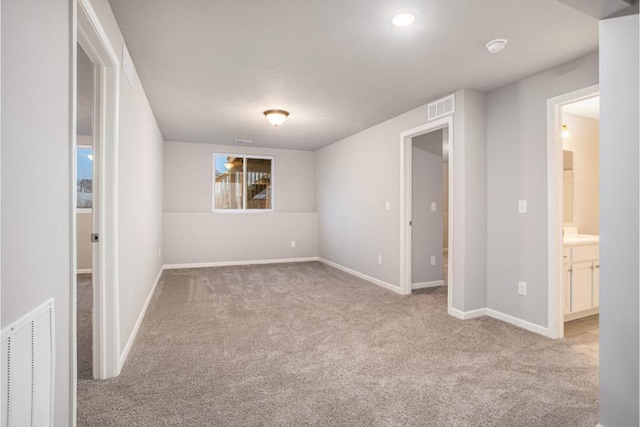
[(140, 190), (584, 142), (426, 231), (36, 199), (194, 234), (517, 158), (619, 204)]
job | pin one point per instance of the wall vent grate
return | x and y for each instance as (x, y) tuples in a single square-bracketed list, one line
[(28, 355), (441, 108)]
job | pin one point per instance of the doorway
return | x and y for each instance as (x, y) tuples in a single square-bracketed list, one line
[(441, 133), (429, 205), (573, 216), (581, 221), (98, 121), (84, 214)]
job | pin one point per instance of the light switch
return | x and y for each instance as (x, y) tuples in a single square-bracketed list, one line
[(522, 206), (433, 206), (387, 206)]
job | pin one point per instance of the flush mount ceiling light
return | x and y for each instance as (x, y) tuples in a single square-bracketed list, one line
[(565, 132), (276, 117), (404, 19), (496, 45)]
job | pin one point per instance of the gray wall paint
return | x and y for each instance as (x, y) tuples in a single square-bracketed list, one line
[(84, 226), (426, 232), (36, 90), (140, 189), (188, 172), (619, 213), (355, 176), (517, 157), (584, 142), (209, 237), (474, 167), (193, 234)]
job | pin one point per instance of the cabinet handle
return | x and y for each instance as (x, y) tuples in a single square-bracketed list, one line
[(598, 266)]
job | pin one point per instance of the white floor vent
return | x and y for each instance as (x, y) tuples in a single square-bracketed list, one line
[(440, 108), (28, 355)]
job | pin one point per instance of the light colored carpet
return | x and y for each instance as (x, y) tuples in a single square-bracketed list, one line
[(85, 333), (305, 344)]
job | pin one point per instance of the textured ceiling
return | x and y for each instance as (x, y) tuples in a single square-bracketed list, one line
[(211, 67)]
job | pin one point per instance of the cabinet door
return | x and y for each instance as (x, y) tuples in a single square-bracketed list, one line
[(566, 283), (581, 283), (596, 283)]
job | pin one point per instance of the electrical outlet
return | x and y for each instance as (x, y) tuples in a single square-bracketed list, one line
[(433, 206), (433, 260), (293, 243), (522, 206), (522, 288), (379, 259), (387, 206)]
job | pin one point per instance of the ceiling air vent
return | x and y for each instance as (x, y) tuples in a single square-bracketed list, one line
[(440, 108), (243, 141)]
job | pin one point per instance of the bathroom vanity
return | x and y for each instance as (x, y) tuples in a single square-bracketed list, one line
[(581, 272)]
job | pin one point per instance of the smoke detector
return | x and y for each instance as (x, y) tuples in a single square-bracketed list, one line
[(243, 141), (496, 45)]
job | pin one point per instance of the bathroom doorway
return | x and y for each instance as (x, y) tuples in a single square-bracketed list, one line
[(574, 233), (581, 221)]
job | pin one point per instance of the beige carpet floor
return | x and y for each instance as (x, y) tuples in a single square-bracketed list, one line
[(308, 345), (85, 333)]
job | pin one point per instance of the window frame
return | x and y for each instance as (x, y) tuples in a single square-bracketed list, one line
[(85, 147), (244, 184)]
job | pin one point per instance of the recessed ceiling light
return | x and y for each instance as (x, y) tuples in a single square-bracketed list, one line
[(276, 117), (404, 19), (496, 45)]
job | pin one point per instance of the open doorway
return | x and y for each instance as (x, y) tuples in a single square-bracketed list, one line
[(434, 210), (573, 215), (429, 205), (581, 221), (96, 120), (84, 214)]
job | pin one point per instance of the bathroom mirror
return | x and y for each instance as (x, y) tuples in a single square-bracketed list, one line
[(568, 185)]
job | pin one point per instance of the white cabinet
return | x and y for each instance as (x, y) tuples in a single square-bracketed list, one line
[(566, 274), (582, 286), (581, 273)]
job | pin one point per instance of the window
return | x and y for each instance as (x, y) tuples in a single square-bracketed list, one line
[(84, 167), (242, 183)]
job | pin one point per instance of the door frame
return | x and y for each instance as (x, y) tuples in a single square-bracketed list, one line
[(406, 156), (555, 310), (89, 33)]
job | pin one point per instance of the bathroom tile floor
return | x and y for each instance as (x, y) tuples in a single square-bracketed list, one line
[(585, 331)]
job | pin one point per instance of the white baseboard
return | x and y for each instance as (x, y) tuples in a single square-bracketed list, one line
[(432, 284), (134, 333), (232, 263), (84, 271), (532, 327), (472, 314), (378, 282), (466, 315)]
